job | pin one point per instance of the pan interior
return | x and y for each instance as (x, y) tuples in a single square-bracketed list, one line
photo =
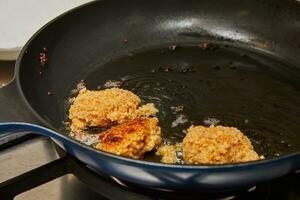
[(213, 83)]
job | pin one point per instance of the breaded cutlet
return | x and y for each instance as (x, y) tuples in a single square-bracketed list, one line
[(132, 138), (217, 145), (107, 107)]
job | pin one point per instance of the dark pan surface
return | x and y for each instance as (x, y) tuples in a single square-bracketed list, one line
[(252, 84), (239, 87), (247, 84)]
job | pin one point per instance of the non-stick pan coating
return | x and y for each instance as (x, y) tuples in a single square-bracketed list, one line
[(230, 85), (251, 83), (247, 78)]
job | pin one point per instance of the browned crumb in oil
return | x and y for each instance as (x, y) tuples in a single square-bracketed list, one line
[(112, 84), (177, 109), (209, 46), (169, 153), (172, 47), (205, 45), (43, 57)]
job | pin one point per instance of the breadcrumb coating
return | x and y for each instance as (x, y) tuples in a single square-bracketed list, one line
[(167, 153), (217, 145), (106, 107), (133, 132), (132, 138)]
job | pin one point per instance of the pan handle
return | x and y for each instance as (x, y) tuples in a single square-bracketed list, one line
[(21, 127), (66, 143), (13, 107)]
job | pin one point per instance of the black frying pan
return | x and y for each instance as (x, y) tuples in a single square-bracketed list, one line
[(234, 61)]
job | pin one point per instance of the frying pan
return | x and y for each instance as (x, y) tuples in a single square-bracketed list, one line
[(233, 62)]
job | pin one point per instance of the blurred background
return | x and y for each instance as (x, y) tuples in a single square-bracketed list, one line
[(19, 20)]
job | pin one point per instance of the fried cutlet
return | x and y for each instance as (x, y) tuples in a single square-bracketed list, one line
[(132, 138), (106, 107), (217, 145)]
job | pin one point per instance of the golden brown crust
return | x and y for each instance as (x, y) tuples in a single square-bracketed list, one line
[(105, 107), (132, 138), (167, 153), (217, 145)]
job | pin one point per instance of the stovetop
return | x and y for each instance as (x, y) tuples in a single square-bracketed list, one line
[(33, 153), (28, 153), (76, 181), (38, 151)]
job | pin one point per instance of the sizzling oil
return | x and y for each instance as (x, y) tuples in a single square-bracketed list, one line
[(224, 85)]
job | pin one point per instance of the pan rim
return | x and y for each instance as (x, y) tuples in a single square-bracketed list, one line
[(16, 79)]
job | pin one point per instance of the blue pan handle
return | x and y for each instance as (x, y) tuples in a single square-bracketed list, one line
[(19, 127), (16, 119), (13, 108)]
